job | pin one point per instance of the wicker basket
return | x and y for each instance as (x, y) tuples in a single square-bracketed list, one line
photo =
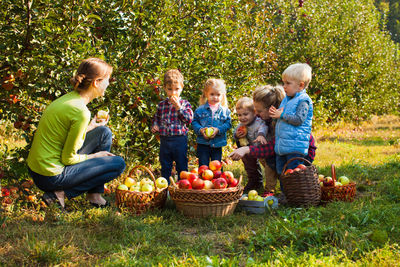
[(301, 188), (139, 202), (338, 193), (207, 202)]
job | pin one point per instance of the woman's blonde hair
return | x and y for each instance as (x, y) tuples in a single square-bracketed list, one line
[(269, 95), (217, 84), (88, 71)]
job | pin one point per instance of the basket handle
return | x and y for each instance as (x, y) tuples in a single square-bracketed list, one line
[(292, 159), (146, 169), (172, 181), (333, 170)]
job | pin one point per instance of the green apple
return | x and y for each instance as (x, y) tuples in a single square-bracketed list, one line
[(344, 180), (134, 188), (259, 198), (146, 188), (161, 182), (129, 182), (122, 187), (338, 184), (145, 181), (252, 194), (209, 132), (245, 198), (270, 202)]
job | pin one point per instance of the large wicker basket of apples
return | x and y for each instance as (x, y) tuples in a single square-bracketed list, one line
[(141, 192), (206, 191), (332, 189)]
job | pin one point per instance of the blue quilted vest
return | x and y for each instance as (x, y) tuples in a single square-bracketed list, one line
[(290, 138)]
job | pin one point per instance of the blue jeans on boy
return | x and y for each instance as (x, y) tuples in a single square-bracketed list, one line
[(173, 148), (89, 175), (206, 152)]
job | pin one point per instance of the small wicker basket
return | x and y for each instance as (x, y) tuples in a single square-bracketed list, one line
[(338, 193), (139, 202), (301, 188), (206, 202)]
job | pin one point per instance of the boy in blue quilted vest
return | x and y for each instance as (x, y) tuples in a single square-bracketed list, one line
[(294, 117)]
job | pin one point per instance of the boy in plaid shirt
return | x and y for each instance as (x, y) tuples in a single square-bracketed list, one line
[(171, 121)]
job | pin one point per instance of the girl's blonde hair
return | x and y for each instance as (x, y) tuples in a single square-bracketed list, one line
[(88, 71), (245, 103), (269, 95), (217, 84)]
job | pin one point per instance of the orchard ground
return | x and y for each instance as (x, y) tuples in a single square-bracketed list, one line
[(365, 232)]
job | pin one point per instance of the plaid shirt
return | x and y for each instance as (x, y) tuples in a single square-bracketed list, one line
[(266, 151), (172, 122)]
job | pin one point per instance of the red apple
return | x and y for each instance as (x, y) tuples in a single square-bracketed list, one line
[(184, 184), (198, 183), (296, 169), (192, 177), (201, 169), (184, 175), (195, 170), (217, 174), (288, 171), (215, 165), (328, 181), (219, 183), (228, 175), (208, 175), (234, 182), (301, 166)]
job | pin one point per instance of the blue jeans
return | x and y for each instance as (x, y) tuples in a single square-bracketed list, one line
[(89, 175), (205, 153), (173, 148)]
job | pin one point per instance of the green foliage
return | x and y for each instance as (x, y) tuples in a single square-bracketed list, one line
[(390, 10), (244, 42)]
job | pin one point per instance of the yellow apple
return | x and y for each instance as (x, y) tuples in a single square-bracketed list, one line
[(134, 188), (122, 187), (208, 184), (146, 188), (245, 198), (161, 182), (145, 181), (259, 198), (102, 115), (209, 131), (252, 194), (129, 181)]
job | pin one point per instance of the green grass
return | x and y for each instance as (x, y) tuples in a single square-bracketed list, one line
[(365, 232)]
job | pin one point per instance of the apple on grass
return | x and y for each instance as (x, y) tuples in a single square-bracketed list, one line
[(198, 183), (161, 182), (219, 183), (184, 184)]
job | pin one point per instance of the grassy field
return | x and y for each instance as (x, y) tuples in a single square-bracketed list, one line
[(365, 232)]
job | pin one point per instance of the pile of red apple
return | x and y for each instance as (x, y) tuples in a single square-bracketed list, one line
[(300, 167), (207, 177), (329, 181)]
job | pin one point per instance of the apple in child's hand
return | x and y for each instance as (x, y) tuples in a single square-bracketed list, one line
[(219, 183), (201, 169), (102, 115), (184, 184), (344, 180), (209, 131), (198, 183), (208, 184), (215, 165), (208, 175), (242, 129), (161, 182)]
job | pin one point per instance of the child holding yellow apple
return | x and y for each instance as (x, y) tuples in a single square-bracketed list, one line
[(212, 119)]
